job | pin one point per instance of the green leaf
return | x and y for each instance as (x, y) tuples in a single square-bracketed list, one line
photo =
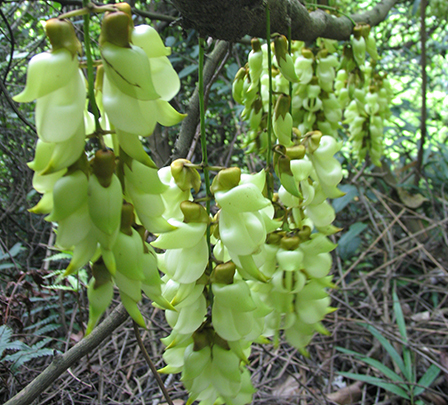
[(13, 252), (187, 71), (408, 364), (388, 347), (5, 266), (374, 363), (16, 249), (5, 337), (350, 193), (348, 351), (407, 355), (399, 316), (378, 382), (384, 369), (427, 379), (349, 242), (415, 7)]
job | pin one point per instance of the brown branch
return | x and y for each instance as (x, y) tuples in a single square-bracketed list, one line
[(418, 166), (151, 365), (60, 364), (232, 19), (189, 124)]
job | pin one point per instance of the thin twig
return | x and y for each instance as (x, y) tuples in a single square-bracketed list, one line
[(151, 365)]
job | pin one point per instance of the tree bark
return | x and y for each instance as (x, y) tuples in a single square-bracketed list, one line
[(232, 19)]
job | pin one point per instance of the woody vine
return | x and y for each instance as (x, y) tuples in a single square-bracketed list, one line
[(259, 265)]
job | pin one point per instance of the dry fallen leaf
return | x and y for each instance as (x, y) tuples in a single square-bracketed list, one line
[(410, 200), (175, 402), (347, 395), (288, 388), (444, 363), (433, 398)]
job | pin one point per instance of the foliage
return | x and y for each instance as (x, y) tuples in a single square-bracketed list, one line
[(23, 352), (405, 385)]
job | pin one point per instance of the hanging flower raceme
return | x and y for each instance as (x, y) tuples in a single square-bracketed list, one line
[(55, 81), (243, 224), (186, 255), (139, 79)]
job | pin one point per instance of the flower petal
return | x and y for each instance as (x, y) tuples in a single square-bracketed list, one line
[(165, 78), (47, 72), (58, 114), (129, 70), (125, 112), (147, 38)]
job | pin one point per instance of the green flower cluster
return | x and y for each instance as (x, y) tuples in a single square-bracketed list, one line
[(364, 94), (103, 206)]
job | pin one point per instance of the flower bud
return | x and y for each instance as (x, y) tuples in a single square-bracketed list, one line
[(223, 273), (289, 242), (184, 176), (284, 60), (296, 152), (226, 179), (116, 29), (238, 84), (61, 34), (194, 212), (127, 218), (103, 166)]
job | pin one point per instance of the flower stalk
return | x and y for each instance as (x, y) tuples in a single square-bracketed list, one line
[(203, 140)]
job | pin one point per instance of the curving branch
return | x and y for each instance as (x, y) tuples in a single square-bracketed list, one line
[(61, 363), (189, 124), (232, 19)]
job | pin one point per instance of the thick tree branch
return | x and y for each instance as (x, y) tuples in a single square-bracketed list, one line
[(189, 124), (61, 363), (232, 19)]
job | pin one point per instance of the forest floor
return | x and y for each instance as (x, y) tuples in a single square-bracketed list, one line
[(403, 251)]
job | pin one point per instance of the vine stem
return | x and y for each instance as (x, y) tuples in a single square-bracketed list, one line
[(90, 81), (322, 6), (269, 148), (88, 8), (204, 142), (289, 51), (151, 364)]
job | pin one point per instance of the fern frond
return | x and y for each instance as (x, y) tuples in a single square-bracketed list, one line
[(45, 308), (46, 329), (59, 256), (59, 287), (45, 321)]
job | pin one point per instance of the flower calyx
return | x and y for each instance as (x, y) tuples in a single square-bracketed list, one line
[(127, 218), (62, 35), (194, 212), (103, 166), (185, 177), (226, 179), (116, 29), (223, 273)]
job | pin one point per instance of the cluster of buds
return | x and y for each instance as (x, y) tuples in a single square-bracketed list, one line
[(310, 90), (288, 275), (309, 105), (103, 207), (365, 95)]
